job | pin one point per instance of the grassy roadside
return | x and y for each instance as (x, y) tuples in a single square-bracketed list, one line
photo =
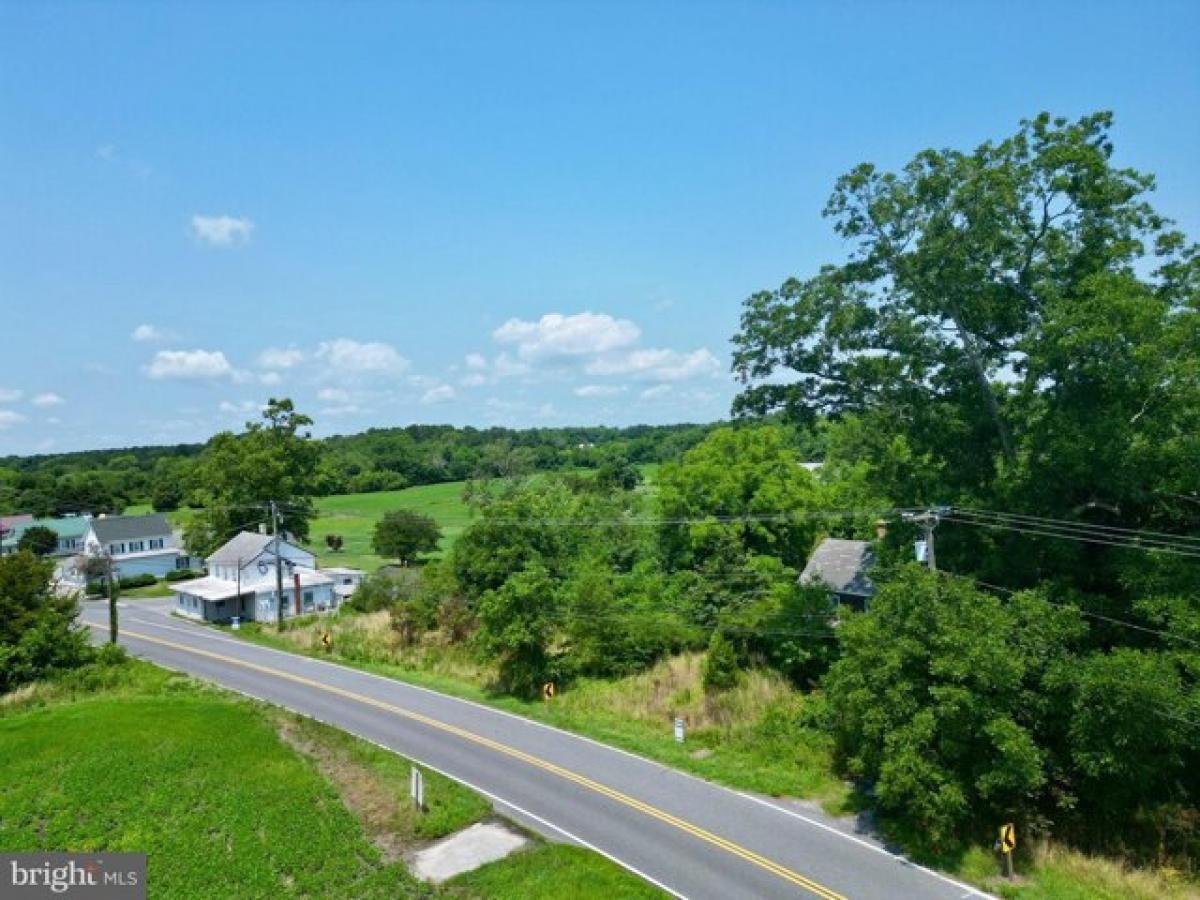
[(232, 797), (754, 738)]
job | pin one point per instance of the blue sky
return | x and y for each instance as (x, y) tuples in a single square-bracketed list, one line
[(517, 214)]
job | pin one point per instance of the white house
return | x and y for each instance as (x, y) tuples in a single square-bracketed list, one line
[(241, 582), (138, 545)]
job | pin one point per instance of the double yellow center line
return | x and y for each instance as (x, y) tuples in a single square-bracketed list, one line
[(581, 780)]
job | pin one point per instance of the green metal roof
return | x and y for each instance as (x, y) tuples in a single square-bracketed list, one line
[(64, 527)]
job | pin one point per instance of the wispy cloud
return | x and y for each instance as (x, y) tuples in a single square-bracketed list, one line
[(598, 390), (280, 358), (347, 358), (146, 334), (222, 231), (8, 418), (47, 398), (10, 395), (440, 394)]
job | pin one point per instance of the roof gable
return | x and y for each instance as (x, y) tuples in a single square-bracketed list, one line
[(842, 565), (245, 547)]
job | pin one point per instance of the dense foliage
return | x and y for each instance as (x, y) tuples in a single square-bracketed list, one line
[(379, 459), (1016, 330), (38, 634)]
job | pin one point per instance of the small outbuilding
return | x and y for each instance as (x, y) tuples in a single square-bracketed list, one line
[(843, 566)]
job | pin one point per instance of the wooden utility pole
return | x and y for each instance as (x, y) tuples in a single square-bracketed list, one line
[(928, 520), (112, 602), (278, 567)]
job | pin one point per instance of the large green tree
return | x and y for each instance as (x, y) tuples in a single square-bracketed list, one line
[(1018, 323), (239, 476), (404, 534)]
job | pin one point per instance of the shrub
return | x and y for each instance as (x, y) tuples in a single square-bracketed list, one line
[(37, 632), (720, 671), (184, 574), (136, 581)]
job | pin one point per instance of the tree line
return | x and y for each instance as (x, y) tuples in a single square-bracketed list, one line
[(380, 459)]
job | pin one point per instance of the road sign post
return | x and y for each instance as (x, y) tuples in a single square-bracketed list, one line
[(416, 787), (679, 730)]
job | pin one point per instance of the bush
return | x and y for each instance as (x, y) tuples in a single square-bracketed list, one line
[(720, 670), (136, 581), (184, 574), (37, 632)]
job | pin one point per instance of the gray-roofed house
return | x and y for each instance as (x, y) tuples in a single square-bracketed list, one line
[(138, 545), (843, 567), (241, 583)]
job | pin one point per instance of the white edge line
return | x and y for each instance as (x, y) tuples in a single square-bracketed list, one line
[(870, 846), (495, 798), (215, 634)]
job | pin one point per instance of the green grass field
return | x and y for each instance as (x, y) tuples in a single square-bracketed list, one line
[(353, 516), (235, 798)]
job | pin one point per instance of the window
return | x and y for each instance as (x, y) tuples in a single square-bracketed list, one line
[(136, 546), (308, 599), (156, 543)]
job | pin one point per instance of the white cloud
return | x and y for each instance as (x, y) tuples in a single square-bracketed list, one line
[(474, 379), (106, 152), (10, 395), (439, 394), (659, 390), (598, 390), (8, 418), (189, 365), (556, 335), (347, 357), (146, 333), (222, 231), (333, 395), (242, 407), (280, 358), (270, 378), (48, 398), (476, 361), (346, 409), (657, 365)]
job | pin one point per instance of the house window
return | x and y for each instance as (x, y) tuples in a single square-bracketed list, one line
[(156, 543), (308, 600), (136, 546)]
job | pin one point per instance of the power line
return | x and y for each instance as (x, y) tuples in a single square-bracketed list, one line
[(1070, 536), (1079, 609), (1066, 523)]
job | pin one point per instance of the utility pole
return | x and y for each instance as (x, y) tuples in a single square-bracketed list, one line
[(928, 520), (112, 602), (278, 567)]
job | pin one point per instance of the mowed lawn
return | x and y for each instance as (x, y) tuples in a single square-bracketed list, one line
[(353, 517), (234, 798), (200, 783)]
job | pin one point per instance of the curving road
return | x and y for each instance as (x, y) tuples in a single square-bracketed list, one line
[(691, 838)]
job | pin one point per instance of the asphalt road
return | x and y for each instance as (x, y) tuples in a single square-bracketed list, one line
[(691, 838)]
